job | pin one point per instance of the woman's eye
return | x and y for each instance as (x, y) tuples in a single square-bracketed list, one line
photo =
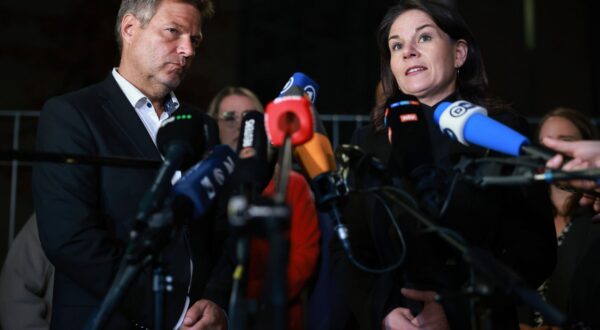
[(424, 37), (395, 46)]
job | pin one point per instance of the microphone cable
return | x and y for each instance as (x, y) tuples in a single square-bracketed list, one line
[(343, 233)]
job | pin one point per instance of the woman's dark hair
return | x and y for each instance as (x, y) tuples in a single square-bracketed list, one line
[(472, 80), (588, 131)]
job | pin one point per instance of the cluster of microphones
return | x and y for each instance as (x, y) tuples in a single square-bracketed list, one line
[(292, 116), (291, 126)]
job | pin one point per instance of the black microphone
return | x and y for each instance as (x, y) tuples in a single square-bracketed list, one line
[(189, 199), (411, 155), (181, 141), (255, 162)]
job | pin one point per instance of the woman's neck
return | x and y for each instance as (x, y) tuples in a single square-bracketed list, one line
[(560, 200)]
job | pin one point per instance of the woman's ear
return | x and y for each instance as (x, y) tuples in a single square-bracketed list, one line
[(461, 50)]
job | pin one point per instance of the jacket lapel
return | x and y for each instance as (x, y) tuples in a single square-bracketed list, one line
[(125, 118)]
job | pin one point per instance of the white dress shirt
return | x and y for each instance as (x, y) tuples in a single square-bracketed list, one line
[(145, 110)]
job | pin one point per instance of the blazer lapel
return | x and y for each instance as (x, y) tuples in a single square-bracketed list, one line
[(125, 118)]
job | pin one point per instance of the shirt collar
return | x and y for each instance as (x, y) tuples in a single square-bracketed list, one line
[(138, 99)]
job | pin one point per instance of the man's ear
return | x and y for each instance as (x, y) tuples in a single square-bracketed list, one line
[(461, 51), (129, 26)]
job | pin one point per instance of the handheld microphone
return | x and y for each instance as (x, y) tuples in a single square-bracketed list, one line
[(195, 192), (468, 124), (181, 141)]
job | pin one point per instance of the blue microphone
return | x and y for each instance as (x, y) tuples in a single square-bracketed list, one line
[(468, 123), (200, 185), (303, 82)]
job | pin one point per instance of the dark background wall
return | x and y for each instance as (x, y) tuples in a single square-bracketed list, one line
[(51, 47)]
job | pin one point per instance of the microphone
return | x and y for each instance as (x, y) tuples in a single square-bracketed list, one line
[(411, 155), (195, 192), (309, 87), (366, 170), (408, 134), (255, 168), (468, 123), (316, 155), (289, 115), (180, 140)]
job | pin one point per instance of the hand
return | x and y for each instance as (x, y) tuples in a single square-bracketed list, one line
[(584, 185), (585, 154), (204, 315), (399, 319), (586, 151), (432, 317)]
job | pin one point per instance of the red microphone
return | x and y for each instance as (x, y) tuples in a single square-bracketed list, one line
[(289, 116)]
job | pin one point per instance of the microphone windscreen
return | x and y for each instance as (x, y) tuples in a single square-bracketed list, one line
[(408, 134), (254, 169), (201, 184), (302, 82), (289, 116), (316, 156), (469, 124), (185, 129)]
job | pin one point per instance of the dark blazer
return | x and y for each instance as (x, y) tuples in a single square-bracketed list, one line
[(514, 224), (86, 212)]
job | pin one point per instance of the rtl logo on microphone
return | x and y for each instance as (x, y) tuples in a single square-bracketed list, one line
[(408, 117)]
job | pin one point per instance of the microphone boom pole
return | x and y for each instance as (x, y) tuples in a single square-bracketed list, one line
[(75, 159)]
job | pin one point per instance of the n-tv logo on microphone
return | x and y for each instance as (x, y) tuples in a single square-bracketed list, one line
[(248, 137)]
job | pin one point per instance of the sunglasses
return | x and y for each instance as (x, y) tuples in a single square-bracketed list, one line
[(233, 117)]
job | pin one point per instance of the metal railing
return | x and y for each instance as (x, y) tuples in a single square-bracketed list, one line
[(333, 122), (14, 165)]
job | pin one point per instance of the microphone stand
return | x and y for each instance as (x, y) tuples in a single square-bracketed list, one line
[(143, 250), (484, 263), (268, 218), (278, 245)]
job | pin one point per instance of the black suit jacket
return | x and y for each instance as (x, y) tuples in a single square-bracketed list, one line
[(85, 212), (514, 224)]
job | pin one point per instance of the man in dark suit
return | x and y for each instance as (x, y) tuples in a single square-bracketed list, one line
[(85, 212)]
